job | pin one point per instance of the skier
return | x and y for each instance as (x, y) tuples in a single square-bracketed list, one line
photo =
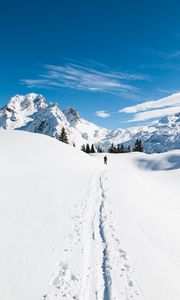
[(105, 160)]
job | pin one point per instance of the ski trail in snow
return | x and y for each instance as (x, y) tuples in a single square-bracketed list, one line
[(118, 276), (96, 266), (105, 258)]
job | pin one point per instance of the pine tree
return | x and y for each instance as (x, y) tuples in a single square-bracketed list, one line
[(83, 148), (88, 150), (122, 149), (112, 149), (129, 148), (63, 136), (92, 149), (138, 146), (74, 145)]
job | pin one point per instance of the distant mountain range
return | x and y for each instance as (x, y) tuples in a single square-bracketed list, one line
[(33, 113)]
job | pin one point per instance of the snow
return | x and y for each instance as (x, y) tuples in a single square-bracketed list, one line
[(32, 113), (42, 182), (72, 228), (147, 206)]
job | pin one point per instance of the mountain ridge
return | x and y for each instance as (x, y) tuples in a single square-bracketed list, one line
[(32, 112)]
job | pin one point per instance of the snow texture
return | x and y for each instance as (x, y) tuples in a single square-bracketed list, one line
[(73, 228)]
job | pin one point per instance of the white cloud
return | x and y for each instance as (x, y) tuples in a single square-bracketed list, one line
[(158, 113), (102, 114), (80, 77), (172, 100), (154, 109)]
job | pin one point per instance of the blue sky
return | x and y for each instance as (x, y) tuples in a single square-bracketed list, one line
[(99, 57)]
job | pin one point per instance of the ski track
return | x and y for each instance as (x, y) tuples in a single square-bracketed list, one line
[(105, 258), (95, 265)]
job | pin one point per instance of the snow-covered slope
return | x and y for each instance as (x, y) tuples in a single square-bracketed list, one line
[(33, 113), (43, 186), (72, 228), (144, 194)]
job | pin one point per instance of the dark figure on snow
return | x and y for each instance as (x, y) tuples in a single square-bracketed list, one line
[(105, 160)]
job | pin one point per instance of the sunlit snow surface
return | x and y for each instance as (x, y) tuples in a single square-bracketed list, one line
[(72, 228)]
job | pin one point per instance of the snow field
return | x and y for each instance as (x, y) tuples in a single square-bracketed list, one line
[(72, 228)]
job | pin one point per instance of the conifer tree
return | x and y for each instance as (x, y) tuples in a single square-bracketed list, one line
[(112, 149), (138, 146), (63, 136), (74, 145), (121, 149), (83, 148), (88, 150), (92, 149), (129, 148)]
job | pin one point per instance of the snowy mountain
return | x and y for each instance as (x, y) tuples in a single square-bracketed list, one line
[(19, 110), (32, 113), (89, 131), (161, 136)]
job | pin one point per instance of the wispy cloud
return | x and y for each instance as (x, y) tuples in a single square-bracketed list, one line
[(166, 91), (153, 109), (86, 78), (172, 100), (153, 114), (102, 114)]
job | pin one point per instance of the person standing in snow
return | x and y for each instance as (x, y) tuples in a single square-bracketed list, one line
[(105, 160)]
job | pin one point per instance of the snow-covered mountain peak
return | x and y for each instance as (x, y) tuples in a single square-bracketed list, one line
[(28, 103), (72, 116), (173, 119), (48, 121), (19, 109)]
